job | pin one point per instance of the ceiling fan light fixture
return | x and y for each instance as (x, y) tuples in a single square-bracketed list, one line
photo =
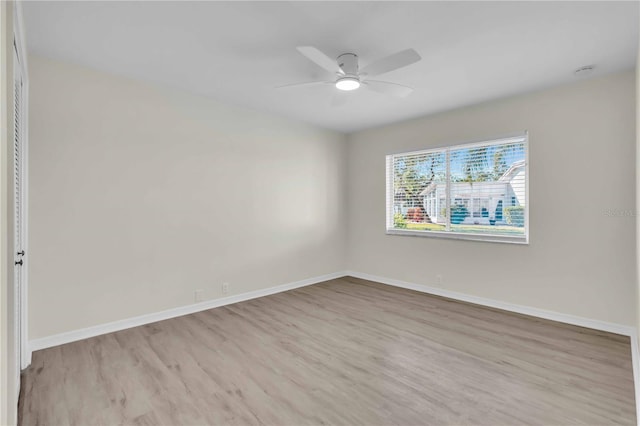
[(347, 83), (347, 74)]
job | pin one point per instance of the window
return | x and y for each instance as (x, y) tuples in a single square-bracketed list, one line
[(475, 191)]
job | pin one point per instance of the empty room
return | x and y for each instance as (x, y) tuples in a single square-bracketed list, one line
[(319, 213)]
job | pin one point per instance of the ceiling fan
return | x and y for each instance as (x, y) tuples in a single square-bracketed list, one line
[(348, 76)]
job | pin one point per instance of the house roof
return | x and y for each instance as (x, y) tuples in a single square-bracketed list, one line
[(511, 171), (431, 187), (506, 176)]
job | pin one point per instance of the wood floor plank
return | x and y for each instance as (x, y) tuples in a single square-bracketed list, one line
[(344, 352)]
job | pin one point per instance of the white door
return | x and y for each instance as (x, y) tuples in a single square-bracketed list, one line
[(19, 213)]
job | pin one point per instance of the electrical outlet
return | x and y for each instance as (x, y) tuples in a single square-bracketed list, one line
[(439, 279), (225, 288), (198, 295)]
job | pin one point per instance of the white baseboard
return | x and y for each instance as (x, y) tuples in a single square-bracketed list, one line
[(85, 333), (72, 336), (624, 330)]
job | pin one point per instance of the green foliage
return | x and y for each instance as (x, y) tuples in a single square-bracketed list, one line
[(514, 215), (475, 165), (399, 221), (413, 174), (485, 163), (506, 229), (458, 213), (499, 163)]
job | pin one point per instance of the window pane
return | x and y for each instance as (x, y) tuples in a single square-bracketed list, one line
[(418, 191), (488, 189)]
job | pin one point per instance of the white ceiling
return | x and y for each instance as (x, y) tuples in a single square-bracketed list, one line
[(238, 51)]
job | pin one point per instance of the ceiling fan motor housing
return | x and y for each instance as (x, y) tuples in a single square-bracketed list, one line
[(348, 63)]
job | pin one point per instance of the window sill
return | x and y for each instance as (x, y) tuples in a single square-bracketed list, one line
[(487, 238)]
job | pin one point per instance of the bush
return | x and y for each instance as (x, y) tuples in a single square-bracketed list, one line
[(415, 214), (515, 215), (458, 213), (399, 221)]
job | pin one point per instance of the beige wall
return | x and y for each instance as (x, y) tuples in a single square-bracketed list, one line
[(580, 261), (141, 195)]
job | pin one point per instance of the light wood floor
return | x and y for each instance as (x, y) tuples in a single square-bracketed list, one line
[(344, 352)]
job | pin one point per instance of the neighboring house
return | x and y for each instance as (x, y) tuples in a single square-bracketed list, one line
[(482, 199)]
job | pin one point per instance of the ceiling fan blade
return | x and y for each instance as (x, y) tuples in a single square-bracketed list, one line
[(388, 88), (319, 58), (392, 62), (339, 98), (305, 84)]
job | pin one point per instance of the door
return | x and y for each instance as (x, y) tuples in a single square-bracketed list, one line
[(19, 214)]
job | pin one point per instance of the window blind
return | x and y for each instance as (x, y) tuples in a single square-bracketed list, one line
[(474, 191)]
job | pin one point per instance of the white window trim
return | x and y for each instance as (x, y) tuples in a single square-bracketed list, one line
[(491, 238)]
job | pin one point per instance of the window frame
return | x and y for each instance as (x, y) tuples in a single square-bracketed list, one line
[(448, 234)]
